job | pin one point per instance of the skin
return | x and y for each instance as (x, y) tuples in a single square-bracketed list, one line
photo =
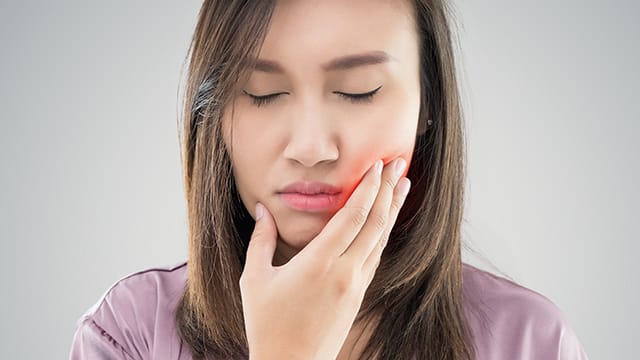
[(306, 308), (310, 132)]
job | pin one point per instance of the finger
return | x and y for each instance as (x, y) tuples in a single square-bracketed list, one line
[(345, 224), (399, 197), (262, 244), (379, 217)]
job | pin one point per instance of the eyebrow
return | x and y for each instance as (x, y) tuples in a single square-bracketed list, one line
[(341, 63)]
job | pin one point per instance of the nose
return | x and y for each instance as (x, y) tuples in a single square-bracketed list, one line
[(311, 139)]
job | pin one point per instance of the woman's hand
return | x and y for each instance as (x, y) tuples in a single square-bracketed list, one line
[(305, 308)]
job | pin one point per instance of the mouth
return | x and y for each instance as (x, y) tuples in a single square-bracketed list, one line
[(310, 196), (310, 188), (318, 202)]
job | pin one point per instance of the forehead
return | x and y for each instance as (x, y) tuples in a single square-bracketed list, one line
[(313, 32)]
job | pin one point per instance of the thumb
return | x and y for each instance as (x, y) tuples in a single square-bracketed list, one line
[(263, 240)]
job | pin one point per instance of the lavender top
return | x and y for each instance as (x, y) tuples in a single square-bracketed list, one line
[(134, 319)]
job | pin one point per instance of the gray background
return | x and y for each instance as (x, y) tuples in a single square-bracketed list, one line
[(92, 190)]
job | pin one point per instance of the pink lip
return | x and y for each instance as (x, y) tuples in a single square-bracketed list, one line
[(310, 188), (304, 202), (310, 196)]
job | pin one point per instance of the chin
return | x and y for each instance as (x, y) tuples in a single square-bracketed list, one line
[(300, 233), (298, 239), (297, 229)]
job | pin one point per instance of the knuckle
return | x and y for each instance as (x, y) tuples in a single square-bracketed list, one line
[(346, 282), (377, 250), (379, 220), (389, 182), (358, 215), (382, 242), (396, 204)]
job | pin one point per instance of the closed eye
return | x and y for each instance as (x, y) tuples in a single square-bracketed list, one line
[(359, 98), (262, 100), (354, 98)]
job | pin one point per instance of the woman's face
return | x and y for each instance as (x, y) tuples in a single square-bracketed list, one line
[(314, 53)]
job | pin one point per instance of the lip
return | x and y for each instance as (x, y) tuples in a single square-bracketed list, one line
[(310, 188), (310, 196), (304, 202)]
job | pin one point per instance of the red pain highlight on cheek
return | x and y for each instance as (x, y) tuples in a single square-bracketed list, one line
[(360, 175), (361, 171)]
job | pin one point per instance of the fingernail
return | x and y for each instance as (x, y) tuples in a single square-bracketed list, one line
[(404, 186), (399, 166), (259, 211)]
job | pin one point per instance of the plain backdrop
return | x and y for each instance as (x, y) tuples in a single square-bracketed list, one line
[(92, 186)]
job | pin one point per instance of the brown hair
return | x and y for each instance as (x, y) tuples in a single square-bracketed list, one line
[(417, 290)]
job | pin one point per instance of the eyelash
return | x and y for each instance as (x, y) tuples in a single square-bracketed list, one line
[(354, 98)]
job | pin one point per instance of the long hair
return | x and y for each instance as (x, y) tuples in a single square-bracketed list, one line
[(417, 289)]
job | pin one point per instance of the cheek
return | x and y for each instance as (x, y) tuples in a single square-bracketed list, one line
[(388, 134), (249, 151), (249, 135), (378, 145)]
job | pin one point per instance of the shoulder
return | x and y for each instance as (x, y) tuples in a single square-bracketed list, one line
[(509, 321), (135, 316)]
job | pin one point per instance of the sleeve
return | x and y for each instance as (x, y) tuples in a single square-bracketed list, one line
[(514, 322), (91, 341), (570, 347)]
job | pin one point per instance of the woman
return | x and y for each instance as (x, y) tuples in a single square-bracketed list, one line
[(289, 106)]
